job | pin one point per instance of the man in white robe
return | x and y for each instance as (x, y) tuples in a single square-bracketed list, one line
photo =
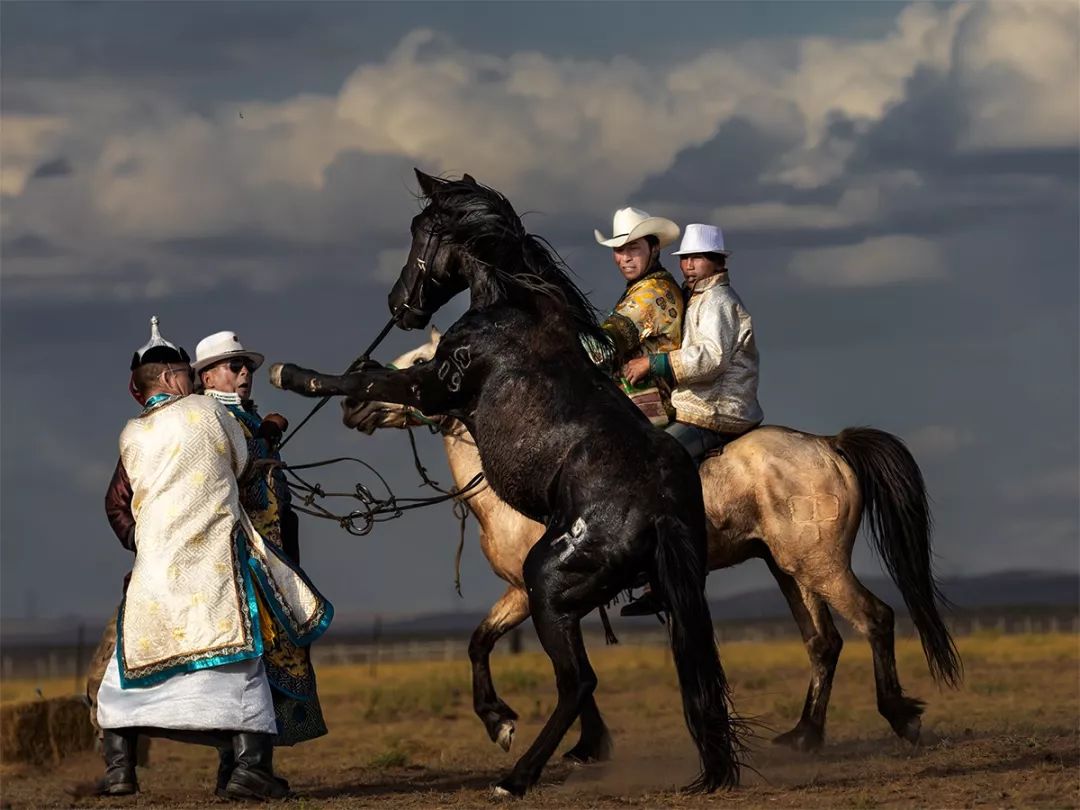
[(189, 633)]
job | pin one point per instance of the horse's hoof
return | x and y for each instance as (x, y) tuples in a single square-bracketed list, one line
[(799, 739), (275, 374), (502, 794), (582, 754), (575, 758), (912, 730), (505, 735)]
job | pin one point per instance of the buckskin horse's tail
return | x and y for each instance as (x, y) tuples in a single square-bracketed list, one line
[(897, 512), (680, 577)]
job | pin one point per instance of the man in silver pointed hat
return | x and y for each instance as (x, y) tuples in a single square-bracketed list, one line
[(188, 662)]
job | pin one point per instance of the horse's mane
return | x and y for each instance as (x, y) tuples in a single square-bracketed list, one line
[(484, 223)]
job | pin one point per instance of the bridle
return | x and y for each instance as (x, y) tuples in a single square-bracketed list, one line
[(416, 289)]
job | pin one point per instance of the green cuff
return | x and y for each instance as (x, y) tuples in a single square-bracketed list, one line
[(660, 368)]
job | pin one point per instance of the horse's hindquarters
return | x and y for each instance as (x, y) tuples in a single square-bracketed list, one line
[(792, 491)]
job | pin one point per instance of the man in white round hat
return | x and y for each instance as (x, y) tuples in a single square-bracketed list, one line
[(647, 319), (225, 371), (714, 374)]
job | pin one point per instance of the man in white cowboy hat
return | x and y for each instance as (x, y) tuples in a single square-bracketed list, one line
[(714, 374), (225, 371), (190, 631), (647, 319)]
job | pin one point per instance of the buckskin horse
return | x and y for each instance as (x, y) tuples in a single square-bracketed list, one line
[(795, 501), (560, 443)]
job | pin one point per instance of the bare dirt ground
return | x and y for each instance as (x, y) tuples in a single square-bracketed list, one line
[(405, 737)]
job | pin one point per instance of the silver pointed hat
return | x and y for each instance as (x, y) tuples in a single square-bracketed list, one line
[(158, 349)]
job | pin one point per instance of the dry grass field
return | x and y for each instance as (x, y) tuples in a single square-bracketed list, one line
[(405, 736)]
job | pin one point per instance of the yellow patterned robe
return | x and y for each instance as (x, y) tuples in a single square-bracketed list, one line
[(647, 319), (201, 568)]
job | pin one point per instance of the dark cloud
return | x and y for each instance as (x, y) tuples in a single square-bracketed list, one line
[(296, 47), (727, 167), (923, 133), (29, 246), (60, 167), (248, 244)]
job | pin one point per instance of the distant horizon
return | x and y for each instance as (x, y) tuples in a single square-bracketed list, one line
[(349, 617)]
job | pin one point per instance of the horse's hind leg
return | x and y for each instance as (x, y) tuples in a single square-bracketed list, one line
[(506, 614), (558, 626), (823, 645), (874, 619), (561, 638), (595, 743)]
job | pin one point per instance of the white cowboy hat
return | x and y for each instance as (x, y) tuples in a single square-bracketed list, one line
[(702, 239), (629, 224), (221, 346)]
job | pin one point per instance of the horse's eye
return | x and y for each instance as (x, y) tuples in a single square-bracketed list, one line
[(418, 361)]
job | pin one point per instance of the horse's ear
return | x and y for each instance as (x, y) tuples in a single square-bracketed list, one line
[(436, 335), (428, 184), (468, 178)]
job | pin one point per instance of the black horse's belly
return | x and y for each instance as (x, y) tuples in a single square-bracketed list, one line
[(519, 465), (523, 438), (529, 439)]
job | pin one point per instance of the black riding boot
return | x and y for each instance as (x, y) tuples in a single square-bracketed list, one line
[(645, 605), (119, 750), (253, 776), (226, 764)]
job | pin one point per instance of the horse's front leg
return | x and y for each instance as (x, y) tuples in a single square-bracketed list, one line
[(416, 387), (506, 614)]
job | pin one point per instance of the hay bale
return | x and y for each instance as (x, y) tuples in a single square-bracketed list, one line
[(24, 732), (43, 731)]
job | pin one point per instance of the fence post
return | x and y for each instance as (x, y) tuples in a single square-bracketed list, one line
[(376, 638), (80, 640)]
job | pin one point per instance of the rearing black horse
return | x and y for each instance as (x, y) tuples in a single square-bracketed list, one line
[(619, 498)]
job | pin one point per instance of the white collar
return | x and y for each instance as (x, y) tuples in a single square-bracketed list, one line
[(223, 397)]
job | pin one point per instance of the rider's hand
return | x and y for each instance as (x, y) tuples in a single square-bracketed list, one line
[(272, 427), (636, 370)]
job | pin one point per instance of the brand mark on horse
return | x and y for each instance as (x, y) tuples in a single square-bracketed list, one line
[(573, 538), (452, 370)]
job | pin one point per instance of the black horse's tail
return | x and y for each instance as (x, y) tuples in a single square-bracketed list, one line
[(680, 577), (897, 511)]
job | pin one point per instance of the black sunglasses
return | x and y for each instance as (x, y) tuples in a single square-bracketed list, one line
[(236, 365)]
